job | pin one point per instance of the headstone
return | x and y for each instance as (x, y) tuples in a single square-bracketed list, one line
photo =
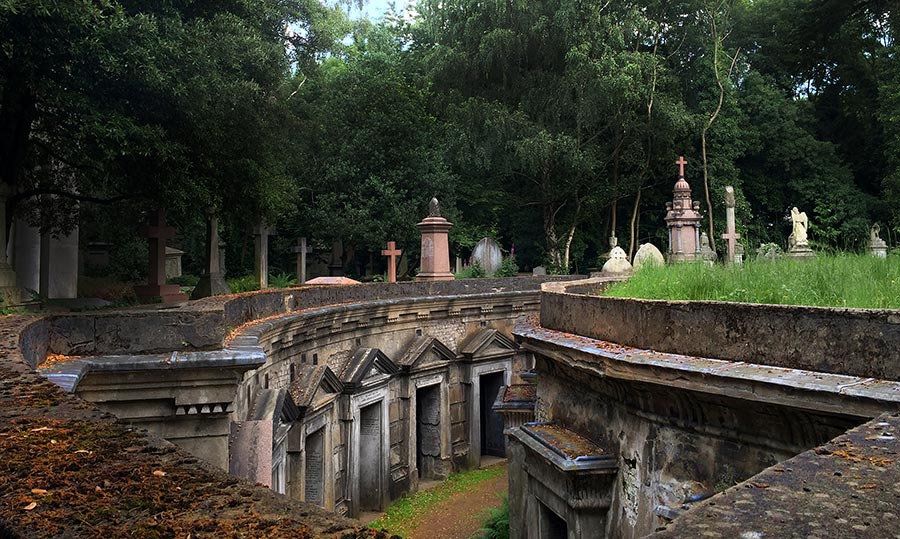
[(738, 253), (647, 255), (157, 233), (261, 255), (173, 262), (488, 255), (730, 235), (769, 251), (877, 246), (10, 292), (435, 252), (27, 259), (706, 252), (392, 253), (798, 243), (222, 269), (683, 221), (301, 250), (59, 266), (336, 264), (459, 265), (618, 262), (539, 270), (211, 282), (98, 254)]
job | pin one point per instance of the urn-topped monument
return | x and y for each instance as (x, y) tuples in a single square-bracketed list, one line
[(435, 263), (683, 220)]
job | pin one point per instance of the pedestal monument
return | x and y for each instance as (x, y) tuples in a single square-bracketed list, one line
[(435, 263), (683, 220), (877, 246)]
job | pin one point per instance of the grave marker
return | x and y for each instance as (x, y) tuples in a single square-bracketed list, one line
[(302, 249), (731, 235), (393, 254), (157, 233)]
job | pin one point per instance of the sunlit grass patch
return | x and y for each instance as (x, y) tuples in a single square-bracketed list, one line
[(856, 281)]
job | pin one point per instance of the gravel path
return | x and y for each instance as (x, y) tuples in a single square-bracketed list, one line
[(460, 516)]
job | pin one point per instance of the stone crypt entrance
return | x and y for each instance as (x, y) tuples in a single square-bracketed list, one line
[(428, 430), (492, 441), (314, 481), (370, 457)]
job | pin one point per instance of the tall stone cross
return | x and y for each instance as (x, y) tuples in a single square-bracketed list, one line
[(731, 236), (157, 233), (393, 254), (681, 162), (302, 249), (261, 244)]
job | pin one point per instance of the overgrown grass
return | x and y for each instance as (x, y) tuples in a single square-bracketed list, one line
[(845, 280), (403, 515)]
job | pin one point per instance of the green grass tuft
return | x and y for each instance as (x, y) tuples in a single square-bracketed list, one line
[(853, 281), (403, 515)]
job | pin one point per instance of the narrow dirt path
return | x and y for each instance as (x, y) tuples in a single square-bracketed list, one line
[(460, 515)]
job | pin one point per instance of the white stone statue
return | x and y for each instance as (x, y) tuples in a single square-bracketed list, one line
[(877, 246), (801, 225)]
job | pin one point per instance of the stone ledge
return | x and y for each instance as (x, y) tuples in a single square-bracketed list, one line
[(68, 374), (846, 488), (835, 393)]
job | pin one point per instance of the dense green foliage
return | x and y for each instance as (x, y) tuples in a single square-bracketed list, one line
[(857, 281), (550, 125), (496, 524)]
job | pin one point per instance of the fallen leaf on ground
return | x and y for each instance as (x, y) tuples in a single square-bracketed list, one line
[(38, 491), (868, 486), (159, 473), (760, 485), (30, 506)]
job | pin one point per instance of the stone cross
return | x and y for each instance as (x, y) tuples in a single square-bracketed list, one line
[(261, 244), (157, 234), (393, 254), (211, 281), (302, 249), (681, 162), (731, 236)]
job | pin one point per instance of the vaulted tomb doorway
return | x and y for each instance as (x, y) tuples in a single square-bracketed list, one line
[(370, 457), (314, 480), (428, 429), (492, 442)]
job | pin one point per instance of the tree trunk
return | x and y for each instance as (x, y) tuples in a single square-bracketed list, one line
[(633, 228)]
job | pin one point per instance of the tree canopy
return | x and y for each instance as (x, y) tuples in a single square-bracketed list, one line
[(551, 125)]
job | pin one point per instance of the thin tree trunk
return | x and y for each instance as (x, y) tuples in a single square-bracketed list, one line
[(634, 217), (717, 45)]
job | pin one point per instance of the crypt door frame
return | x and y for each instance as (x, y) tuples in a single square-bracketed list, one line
[(503, 365), (421, 382), (357, 403)]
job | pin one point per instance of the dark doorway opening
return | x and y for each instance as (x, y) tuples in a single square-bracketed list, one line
[(370, 458), (553, 526), (428, 429), (492, 441)]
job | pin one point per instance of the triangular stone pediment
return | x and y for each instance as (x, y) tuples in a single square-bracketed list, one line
[(425, 352), (367, 364), (486, 343), (314, 383)]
